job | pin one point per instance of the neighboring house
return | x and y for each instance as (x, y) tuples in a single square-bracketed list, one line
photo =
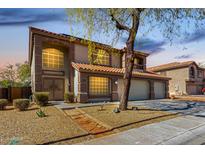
[(187, 77), (59, 63)]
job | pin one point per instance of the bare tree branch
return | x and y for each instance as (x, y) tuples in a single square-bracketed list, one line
[(119, 25)]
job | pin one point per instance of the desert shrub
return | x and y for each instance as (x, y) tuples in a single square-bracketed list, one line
[(21, 104), (69, 97), (41, 98), (3, 103)]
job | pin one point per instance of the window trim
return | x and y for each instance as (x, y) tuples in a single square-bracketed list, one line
[(99, 96), (109, 55)]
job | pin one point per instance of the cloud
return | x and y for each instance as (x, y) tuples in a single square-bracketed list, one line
[(198, 35), (149, 45), (185, 56), (16, 17)]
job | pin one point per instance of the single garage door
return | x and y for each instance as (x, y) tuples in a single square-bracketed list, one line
[(191, 89), (159, 90), (139, 89)]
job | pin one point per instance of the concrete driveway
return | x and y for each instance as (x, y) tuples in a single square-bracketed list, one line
[(189, 128), (182, 107)]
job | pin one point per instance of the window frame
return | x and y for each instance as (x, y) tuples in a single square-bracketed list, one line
[(99, 96), (109, 58), (139, 66), (192, 72), (53, 69)]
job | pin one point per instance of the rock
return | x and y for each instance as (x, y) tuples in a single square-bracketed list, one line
[(116, 110)]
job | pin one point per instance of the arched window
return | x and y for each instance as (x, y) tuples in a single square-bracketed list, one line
[(192, 72), (52, 58), (101, 57)]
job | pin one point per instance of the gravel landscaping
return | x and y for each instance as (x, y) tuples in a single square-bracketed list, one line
[(123, 118), (27, 128)]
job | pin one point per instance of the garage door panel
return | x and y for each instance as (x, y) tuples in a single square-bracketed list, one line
[(159, 90), (139, 89)]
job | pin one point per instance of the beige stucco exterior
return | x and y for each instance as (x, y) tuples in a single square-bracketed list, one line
[(178, 77), (81, 53), (182, 83)]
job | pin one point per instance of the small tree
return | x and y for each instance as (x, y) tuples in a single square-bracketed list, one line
[(112, 24), (15, 75), (24, 74), (8, 76)]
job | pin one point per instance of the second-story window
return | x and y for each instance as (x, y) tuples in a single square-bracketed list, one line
[(52, 59), (101, 57), (192, 72), (138, 63)]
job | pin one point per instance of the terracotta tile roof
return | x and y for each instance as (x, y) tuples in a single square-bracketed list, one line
[(170, 66), (114, 71)]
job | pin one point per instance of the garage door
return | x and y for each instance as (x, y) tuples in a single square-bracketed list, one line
[(139, 89), (159, 90), (192, 89)]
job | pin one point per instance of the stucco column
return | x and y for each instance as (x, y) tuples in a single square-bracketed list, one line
[(83, 88), (152, 95), (114, 86), (38, 63), (166, 89)]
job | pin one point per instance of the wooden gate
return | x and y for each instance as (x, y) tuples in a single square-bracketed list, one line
[(15, 93)]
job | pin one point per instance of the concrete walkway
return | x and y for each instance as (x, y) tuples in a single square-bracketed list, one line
[(64, 106), (180, 130)]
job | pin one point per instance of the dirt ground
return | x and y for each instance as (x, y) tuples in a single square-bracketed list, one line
[(123, 118), (27, 128)]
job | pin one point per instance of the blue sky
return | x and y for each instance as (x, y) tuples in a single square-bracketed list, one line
[(14, 25)]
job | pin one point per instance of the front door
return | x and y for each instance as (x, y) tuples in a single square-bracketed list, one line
[(55, 87)]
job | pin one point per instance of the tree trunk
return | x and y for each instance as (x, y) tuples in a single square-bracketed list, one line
[(126, 81), (129, 60)]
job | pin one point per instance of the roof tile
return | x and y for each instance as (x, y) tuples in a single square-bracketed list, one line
[(168, 66), (112, 70)]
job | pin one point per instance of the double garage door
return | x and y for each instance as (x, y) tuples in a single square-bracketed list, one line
[(140, 89)]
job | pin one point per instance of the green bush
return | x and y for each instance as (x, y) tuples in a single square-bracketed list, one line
[(3, 103), (41, 98), (69, 97), (21, 104)]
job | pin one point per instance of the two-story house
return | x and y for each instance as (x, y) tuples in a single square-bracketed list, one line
[(61, 63), (187, 78)]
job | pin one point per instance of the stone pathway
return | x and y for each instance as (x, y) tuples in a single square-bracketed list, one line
[(89, 124)]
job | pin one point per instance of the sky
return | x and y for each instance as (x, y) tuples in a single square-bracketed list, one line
[(14, 24)]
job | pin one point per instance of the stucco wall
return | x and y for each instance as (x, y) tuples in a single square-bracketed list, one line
[(116, 60), (80, 54), (33, 72), (76, 76), (177, 85)]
